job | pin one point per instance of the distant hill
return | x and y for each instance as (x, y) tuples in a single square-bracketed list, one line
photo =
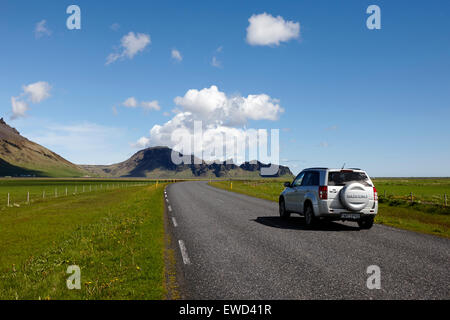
[(156, 162), (22, 157)]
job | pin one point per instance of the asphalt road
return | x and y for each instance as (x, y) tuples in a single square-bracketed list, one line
[(232, 246)]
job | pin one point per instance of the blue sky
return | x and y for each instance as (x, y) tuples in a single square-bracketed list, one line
[(375, 99)]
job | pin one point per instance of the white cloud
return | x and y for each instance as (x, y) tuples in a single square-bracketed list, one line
[(114, 111), (210, 104), (19, 107), (37, 91), (176, 55), (41, 29), (115, 26), (131, 102), (150, 105), (142, 143), (266, 30), (131, 44), (34, 93), (216, 63), (219, 113)]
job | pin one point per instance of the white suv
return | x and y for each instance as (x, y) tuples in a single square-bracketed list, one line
[(333, 194)]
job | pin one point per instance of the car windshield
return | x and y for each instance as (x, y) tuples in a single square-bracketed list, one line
[(342, 178)]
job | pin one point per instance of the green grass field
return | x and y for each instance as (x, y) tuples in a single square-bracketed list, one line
[(50, 189), (115, 236), (394, 210)]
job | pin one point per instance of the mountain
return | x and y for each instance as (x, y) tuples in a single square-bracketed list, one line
[(22, 157), (156, 162)]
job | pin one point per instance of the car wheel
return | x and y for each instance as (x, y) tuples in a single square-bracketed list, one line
[(283, 213), (365, 223), (310, 219)]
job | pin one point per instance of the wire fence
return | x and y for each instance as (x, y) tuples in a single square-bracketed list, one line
[(17, 196)]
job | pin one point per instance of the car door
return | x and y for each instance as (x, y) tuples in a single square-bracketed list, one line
[(290, 195), (301, 190), (309, 186)]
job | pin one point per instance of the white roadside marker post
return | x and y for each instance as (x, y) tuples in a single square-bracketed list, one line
[(8, 200), (28, 197)]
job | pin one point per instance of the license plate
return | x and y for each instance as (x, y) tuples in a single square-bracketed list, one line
[(350, 215)]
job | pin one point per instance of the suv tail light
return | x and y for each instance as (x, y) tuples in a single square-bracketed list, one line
[(323, 192), (375, 194)]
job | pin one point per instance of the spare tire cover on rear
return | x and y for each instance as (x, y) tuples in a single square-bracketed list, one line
[(354, 196)]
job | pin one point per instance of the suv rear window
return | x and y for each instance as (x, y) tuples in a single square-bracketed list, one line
[(341, 178)]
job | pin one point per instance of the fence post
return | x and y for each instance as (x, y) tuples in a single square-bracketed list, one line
[(445, 199), (8, 200), (28, 197), (43, 194), (66, 191), (411, 195)]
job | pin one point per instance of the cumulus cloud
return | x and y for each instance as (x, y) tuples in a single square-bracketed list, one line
[(176, 55), (142, 143), (41, 29), (34, 93), (220, 116), (19, 107), (150, 105), (37, 91), (131, 102), (210, 104), (266, 30), (130, 45)]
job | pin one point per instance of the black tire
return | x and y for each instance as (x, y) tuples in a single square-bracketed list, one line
[(283, 213), (310, 219), (365, 223)]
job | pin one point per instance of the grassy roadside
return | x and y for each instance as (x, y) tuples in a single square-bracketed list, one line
[(115, 237), (415, 217)]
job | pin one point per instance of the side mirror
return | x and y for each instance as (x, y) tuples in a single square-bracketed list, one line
[(287, 184)]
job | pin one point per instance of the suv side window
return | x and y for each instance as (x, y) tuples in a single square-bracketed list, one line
[(311, 179), (298, 180)]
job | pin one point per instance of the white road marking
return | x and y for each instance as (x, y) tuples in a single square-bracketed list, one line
[(175, 224), (184, 252), (167, 200), (170, 208)]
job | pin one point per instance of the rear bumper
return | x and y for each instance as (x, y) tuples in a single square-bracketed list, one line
[(324, 211)]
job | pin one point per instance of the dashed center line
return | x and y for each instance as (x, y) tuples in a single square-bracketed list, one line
[(184, 252), (170, 208), (175, 224)]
